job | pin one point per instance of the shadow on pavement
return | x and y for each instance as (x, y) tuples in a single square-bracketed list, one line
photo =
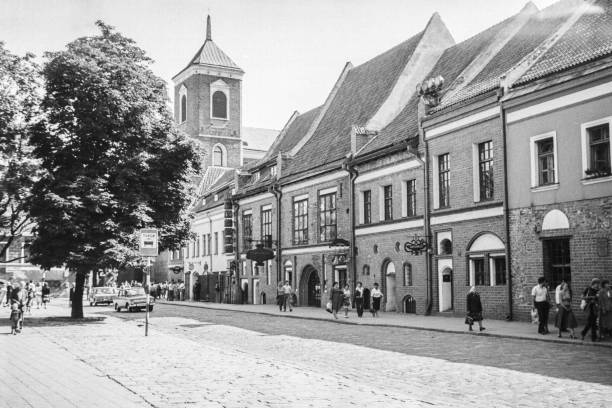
[(55, 321)]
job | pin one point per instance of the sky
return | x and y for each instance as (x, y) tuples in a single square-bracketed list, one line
[(291, 50)]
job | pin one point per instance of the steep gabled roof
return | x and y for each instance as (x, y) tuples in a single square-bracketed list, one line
[(294, 132), (359, 97), (589, 38)]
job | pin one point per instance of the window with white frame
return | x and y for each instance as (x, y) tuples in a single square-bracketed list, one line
[(485, 170), (300, 221), (387, 202), (443, 181), (218, 155), (596, 152), (366, 207), (543, 150), (219, 100), (327, 217), (410, 198), (273, 171), (487, 261)]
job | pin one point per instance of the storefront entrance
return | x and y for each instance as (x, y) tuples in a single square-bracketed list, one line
[(310, 287)]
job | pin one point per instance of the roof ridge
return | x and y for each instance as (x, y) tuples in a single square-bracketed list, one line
[(433, 41), (313, 126), (281, 135), (513, 75), (485, 56)]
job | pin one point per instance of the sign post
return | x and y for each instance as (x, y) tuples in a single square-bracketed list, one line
[(148, 249)]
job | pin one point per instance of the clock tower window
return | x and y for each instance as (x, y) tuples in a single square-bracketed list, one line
[(219, 105)]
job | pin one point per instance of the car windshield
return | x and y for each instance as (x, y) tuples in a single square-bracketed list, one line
[(104, 290), (135, 292)]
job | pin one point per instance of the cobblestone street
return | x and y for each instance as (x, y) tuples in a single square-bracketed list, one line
[(213, 358)]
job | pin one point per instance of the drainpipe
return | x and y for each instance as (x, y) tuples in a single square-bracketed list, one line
[(427, 215), (506, 208), (348, 166), (276, 190), (237, 259)]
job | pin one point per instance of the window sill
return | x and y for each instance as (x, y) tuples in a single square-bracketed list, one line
[(546, 187), (215, 118), (596, 180)]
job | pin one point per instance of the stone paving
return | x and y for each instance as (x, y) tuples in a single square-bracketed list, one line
[(192, 362)]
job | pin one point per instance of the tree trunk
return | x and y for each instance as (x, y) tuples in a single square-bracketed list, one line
[(94, 278), (77, 300)]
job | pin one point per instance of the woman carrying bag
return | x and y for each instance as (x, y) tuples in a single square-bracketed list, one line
[(474, 309)]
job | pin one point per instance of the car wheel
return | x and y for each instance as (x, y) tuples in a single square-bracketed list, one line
[(150, 308), (117, 308), (128, 308), (90, 303)]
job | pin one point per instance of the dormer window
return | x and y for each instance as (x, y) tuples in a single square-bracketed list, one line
[(216, 197), (273, 171), (256, 176)]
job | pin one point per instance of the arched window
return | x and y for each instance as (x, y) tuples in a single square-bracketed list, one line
[(407, 274), (218, 156), (219, 105), (288, 269), (487, 261), (366, 270), (183, 108)]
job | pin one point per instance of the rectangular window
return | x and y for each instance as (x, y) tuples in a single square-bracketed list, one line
[(444, 180), (367, 207), (247, 230), (388, 202), (411, 198), (479, 271), (485, 170), (273, 171), (216, 243), (599, 151), (546, 161), (500, 270), (204, 245), (209, 245), (300, 222), (266, 227), (327, 217), (557, 261)]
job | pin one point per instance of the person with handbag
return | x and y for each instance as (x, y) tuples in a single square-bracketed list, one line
[(474, 309), (541, 304), (590, 297), (565, 320)]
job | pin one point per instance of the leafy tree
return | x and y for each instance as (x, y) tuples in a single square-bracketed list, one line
[(20, 93), (114, 159)]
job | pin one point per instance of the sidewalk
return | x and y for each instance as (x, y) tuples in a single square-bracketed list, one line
[(494, 328)]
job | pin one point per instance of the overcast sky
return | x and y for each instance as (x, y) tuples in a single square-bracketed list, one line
[(291, 50)]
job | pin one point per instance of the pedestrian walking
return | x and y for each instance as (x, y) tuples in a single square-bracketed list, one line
[(541, 302), (565, 320), (17, 300), (71, 295), (605, 309), (376, 295), (280, 296), (589, 298), (346, 304), (337, 299), (474, 309), (3, 299), (30, 294), (287, 295), (46, 294), (358, 297), (38, 294), (14, 317), (9, 291)]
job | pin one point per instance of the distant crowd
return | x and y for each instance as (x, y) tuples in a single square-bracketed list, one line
[(21, 297), (171, 291)]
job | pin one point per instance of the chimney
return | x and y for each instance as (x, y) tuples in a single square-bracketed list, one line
[(359, 137)]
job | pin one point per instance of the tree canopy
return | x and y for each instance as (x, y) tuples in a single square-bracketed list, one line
[(20, 94), (114, 160)]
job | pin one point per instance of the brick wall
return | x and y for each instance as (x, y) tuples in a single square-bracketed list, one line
[(589, 221)]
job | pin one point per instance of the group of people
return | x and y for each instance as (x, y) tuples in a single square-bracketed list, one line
[(20, 298), (171, 291), (340, 299), (596, 303)]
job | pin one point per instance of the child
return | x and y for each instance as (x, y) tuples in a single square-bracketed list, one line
[(15, 315)]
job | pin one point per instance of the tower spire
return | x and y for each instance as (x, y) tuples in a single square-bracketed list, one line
[(208, 29)]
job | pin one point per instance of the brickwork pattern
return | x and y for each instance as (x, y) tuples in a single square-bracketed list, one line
[(589, 220)]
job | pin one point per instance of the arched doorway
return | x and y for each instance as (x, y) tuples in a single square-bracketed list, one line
[(409, 304), (310, 287), (390, 284)]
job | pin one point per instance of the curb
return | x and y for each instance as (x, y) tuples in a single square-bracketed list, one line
[(432, 329)]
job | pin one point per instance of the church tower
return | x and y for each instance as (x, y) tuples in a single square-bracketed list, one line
[(207, 103)]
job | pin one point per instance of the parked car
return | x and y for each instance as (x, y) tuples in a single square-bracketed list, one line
[(132, 299), (102, 294)]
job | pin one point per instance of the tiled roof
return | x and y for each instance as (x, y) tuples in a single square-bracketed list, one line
[(295, 132), (211, 54), (206, 200), (360, 95), (258, 138), (588, 39), (537, 29), (211, 177)]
